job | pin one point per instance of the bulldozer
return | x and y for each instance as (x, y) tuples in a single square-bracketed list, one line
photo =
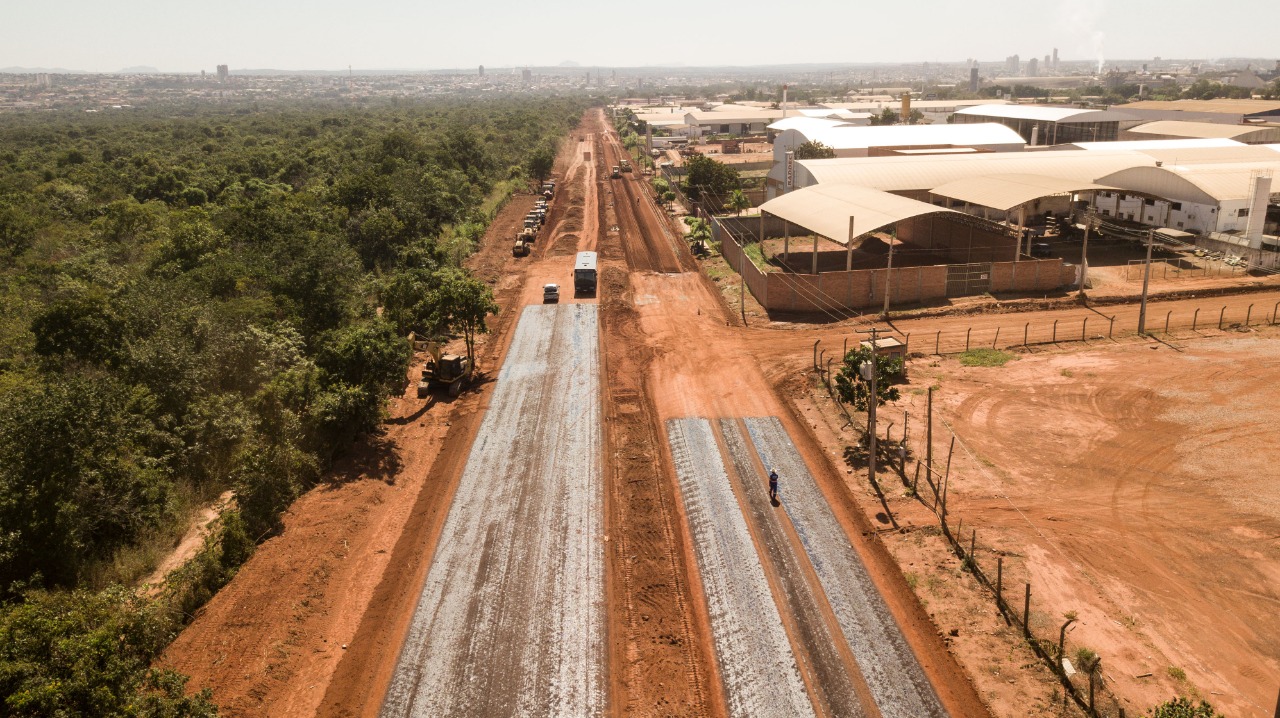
[(444, 370)]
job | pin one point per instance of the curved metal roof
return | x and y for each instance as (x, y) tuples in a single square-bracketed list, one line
[(1041, 113), (1006, 191), (841, 212)]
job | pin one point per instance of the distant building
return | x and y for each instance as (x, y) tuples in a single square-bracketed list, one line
[(1012, 64), (1040, 125), (1033, 66), (526, 76), (1055, 59), (223, 73), (482, 70), (973, 78)]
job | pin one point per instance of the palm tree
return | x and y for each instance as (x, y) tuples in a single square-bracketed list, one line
[(738, 201)]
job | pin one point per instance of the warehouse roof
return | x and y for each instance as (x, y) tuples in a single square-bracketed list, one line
[(1006, 191), (1181, 128), (738, 115), (841, 212), (894, 174), (845, 137), (797, 122), (1225, 106), (1042, 113), (1143, 145)]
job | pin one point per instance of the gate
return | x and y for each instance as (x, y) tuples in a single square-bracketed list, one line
[(967, 279)]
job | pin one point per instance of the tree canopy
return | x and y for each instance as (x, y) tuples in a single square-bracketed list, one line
[(709, 179), (814, 150), (201, 301)]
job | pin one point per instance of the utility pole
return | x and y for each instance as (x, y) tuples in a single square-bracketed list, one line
[(1084, 256), (1146, 279), (870, 376), (887, 278)]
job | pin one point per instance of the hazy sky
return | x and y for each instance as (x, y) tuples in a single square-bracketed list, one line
[(179, 35)]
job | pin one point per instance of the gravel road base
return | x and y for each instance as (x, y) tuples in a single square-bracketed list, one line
[(756, 663), (511, 618), (893, 675)]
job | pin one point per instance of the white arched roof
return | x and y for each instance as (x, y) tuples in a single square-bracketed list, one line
[(1006, 191), (842, 212)]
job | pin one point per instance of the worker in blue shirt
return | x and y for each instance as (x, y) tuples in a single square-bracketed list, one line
[(773, 485)]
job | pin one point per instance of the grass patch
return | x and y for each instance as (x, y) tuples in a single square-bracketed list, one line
[(986, 357), (1177, 674), (755, 252)]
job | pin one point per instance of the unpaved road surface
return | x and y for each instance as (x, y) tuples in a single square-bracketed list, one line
[(511, 617)]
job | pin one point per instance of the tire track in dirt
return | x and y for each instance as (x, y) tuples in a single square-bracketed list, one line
[(510, 621), (893, 674), (659, 665), (759, 672)]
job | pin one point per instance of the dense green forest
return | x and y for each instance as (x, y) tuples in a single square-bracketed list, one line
[(190, 305)]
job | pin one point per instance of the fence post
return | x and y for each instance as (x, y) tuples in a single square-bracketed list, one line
[(906, 344), (1026, 613), (966, 338), (1111, 327), (1221, 314), (1166, 322), (1055, 331), (1000, 583), (1275, 309), (937, 341), (1025, 328), (821, 354), (1084, 331), (973, 544), (846, 347), (993, 341), (829, 374), (815, 354), (1195, 318), (1248, 313)]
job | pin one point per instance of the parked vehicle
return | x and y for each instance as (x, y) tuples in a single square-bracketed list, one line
[(616, 174), (1041, 249), (521, 248), (550, 293)]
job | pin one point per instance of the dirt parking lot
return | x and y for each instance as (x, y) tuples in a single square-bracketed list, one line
[(1135, 485)]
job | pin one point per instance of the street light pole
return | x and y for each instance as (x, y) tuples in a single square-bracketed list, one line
[(1146, 279)]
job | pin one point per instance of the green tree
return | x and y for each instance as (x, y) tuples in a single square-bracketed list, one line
[(699, 232), (541, 162), (78, 653), (1184, 708), (461, 303), (814, 150), (708, 178), (886, 117), (737, 202), (856, 391)]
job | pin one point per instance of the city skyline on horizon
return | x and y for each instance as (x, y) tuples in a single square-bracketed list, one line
[(323, 36)]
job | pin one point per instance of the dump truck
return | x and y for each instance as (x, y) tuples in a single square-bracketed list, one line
[(626, 165), (448, 371)]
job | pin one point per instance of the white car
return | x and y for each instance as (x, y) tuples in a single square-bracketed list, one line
[(550, 293)]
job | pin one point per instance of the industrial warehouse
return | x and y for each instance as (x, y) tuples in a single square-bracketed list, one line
[(997, 199)]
